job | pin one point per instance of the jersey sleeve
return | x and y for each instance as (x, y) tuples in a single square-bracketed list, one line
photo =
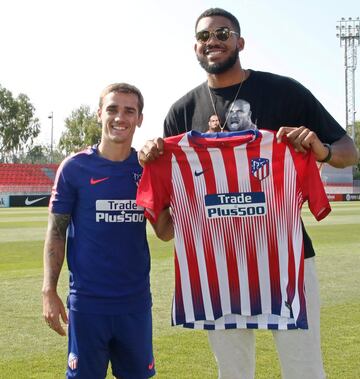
[(312, 187), (63, 195), (154, 188)]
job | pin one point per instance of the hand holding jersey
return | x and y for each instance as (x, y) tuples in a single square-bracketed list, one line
[(303, 140), (151, 151)]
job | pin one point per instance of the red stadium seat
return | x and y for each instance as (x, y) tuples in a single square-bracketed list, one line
[(21, 177)]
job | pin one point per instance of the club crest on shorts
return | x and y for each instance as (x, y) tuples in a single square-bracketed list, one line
[(73, 361), (151, 365), (260, 168)]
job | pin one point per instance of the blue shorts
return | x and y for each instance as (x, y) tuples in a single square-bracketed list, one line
[(125, 340)]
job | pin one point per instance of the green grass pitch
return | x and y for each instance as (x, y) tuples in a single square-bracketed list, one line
[(29, 349)]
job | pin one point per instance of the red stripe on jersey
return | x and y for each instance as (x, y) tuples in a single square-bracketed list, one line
[(291, 287), (230, 164), (253, 272), (231, 257), (277, 191)]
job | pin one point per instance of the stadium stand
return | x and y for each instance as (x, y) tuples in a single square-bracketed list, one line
[(27, 178), (338, 180)]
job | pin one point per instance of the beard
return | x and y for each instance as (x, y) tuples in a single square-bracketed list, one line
[(218, 68)]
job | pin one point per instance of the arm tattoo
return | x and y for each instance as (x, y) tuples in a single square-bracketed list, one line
[(61, 222), (54, 249)]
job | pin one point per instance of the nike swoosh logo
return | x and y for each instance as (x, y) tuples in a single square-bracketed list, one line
[(151, 365), (30, 202), (96, 181), (198, 173)]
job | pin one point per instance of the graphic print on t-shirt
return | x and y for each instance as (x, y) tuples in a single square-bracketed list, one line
[(239, 116)]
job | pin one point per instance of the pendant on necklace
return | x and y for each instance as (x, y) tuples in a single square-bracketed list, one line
[(222, 126)]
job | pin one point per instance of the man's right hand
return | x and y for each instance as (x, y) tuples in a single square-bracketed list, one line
[(53, 308), (151, 151)]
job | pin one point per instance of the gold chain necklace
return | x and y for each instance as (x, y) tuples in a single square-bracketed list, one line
[(232, 105)]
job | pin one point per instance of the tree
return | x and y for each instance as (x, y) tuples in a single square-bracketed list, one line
[(357, 134), (41, 154), (37, 154), (18, 125), (82, 130)]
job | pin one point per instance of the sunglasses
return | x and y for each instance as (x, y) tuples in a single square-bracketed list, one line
[(221, 34)]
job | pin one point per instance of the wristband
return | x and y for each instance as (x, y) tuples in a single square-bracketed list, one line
[(329, 155)]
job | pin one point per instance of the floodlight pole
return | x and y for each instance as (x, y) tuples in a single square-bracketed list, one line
[(51, 115), (348, 32)]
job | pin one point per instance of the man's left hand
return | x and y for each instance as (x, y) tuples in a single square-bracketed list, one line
[(303, 139)]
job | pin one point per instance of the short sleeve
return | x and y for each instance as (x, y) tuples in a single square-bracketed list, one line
[(154, 188), (63, 194), (313, 188)]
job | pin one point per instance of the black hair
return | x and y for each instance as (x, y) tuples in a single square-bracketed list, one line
[(223, 13)]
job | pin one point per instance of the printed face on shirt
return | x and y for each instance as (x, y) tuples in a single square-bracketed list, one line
[(240, 116), (119, 116), (214, 124), (216, 56)]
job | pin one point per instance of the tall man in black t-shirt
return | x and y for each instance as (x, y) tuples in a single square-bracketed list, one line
[(276, 103)]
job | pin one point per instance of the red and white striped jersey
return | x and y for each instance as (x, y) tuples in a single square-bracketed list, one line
[(236, 200)]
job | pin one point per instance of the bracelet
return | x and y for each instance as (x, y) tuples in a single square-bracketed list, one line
[(329, 155)]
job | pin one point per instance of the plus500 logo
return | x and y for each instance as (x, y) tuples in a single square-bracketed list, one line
[(122, 217), (118, 211), (235, 204)]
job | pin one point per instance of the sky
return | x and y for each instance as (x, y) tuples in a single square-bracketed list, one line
[(61, 54)]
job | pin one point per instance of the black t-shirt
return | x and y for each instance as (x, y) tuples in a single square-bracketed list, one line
[(266, 100)]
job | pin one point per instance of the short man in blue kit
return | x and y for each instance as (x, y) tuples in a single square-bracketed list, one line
[(93, 216)]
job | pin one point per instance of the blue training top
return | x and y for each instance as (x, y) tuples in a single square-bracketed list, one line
[(107, 251)]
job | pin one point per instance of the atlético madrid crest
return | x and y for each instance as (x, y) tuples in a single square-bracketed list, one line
[(260, 168)]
